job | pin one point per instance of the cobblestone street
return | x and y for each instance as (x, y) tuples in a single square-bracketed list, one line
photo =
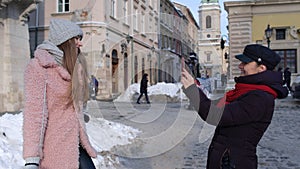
[(278, 149)]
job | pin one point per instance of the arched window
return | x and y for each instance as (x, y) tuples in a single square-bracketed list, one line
[(114, 55), (208, 21)]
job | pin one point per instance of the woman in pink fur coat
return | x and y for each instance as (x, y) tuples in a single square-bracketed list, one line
[(55, 90)]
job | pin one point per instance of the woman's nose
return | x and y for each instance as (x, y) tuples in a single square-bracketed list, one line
[(78, 43)]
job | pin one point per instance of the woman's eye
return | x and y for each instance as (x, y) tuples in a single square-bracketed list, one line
[(78, 37)]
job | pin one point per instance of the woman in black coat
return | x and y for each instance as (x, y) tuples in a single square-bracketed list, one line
[(243, 114)]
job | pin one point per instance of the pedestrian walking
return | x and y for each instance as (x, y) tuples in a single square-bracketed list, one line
[(243, 115), (223, 79), (56, 88), (94, 85), (287, 78), (143, 88)]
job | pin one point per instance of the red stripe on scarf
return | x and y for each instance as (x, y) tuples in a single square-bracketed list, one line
[(242, 88)]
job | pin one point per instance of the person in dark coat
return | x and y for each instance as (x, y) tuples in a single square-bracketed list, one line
[(95, 84), (287, 78), (143, 88), (243, 115)]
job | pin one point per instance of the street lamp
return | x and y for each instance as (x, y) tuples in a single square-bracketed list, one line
[(129, 38), (268, 33)]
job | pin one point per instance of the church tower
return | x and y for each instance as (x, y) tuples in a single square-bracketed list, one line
[(211, 55), (209, 19)]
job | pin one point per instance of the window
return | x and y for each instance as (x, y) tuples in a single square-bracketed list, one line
[(143, 23), (125, 11), (208, 21), (150, 24), (135, 19), (143, 66), (113, 12), (135, 69), (280, 34), (63, 6), (208, 59), (165, 40), (288, 59)]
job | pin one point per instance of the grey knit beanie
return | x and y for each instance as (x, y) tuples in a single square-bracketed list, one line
[(62, 30)]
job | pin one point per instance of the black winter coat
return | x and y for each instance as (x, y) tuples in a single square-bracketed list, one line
[(144, 84), (241, 123)]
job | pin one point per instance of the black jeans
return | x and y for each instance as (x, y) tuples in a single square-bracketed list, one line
[(146, 95), (85, 161)]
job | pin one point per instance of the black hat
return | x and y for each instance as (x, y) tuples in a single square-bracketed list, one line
[(259, 54)]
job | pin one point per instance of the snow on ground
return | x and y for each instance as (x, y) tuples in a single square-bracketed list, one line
[(103, 135)]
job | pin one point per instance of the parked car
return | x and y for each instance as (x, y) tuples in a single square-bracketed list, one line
[(296, 88)]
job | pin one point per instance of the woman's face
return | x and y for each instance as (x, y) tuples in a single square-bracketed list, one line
[(78, 41), (251, 68)]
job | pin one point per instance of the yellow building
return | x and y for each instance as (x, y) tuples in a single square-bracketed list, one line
[(248, 21)]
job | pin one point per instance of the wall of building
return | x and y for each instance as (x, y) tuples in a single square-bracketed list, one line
[(248, 21), (210, 54), (104, 35), (14, 54)]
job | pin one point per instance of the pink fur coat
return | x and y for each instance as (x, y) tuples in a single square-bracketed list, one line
[(62, 126)]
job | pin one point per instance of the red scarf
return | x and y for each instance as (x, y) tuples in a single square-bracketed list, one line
[(242, 88)]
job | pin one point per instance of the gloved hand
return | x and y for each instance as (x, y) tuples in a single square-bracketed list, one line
[(31, 166)]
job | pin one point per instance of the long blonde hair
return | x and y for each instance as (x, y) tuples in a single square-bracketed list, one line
[(75, 63), (80, 85)]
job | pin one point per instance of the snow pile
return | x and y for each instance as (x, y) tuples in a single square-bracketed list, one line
[(103, 135), (172, 90)]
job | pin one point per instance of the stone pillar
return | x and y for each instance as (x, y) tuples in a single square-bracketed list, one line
[(14, 54)]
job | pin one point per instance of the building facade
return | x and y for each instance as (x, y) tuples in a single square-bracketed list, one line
[(125, 40), (14, 51), (248, 21), (119, 43), (212, 55), (191, 43), (177, 39), (122, 40)]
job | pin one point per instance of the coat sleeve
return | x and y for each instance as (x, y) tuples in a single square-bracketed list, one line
[(248, 108), (34, 81), (198, 100)]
